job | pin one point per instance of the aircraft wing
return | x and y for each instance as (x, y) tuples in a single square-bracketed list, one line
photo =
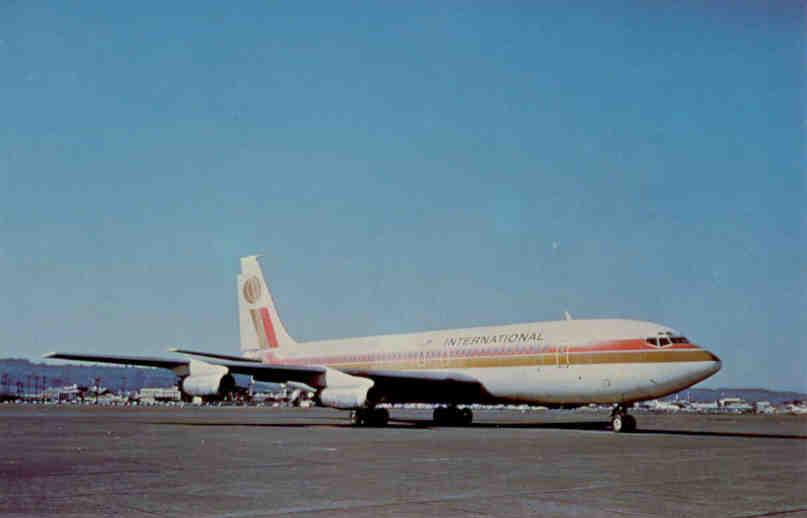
[(141, 361), (391, 386), (310, 375)]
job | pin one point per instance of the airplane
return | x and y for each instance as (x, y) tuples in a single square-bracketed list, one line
[(557, 364)]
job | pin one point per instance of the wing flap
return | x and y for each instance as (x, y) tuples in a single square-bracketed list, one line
[(311, 375), (213, 355), (423, 386)]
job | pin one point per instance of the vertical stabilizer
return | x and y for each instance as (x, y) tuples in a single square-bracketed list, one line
[(261, 327)]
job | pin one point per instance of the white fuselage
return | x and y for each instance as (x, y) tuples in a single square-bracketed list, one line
[(567, 362)]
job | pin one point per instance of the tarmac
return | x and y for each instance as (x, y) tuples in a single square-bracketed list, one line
[(252, 462)]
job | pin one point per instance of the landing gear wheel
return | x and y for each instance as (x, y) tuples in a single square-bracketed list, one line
[(360, 417), (621, 421), (445, 416), (380, 417), (371, 417), (618, 423), (629, 423), (466, 417), (452, 416)]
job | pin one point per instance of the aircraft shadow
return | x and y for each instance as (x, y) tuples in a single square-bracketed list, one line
[(344, 424), (594, 426), (751, 435), (604, 426)]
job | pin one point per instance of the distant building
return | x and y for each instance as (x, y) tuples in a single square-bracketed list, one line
[(796, 407), (153, 394), (709, 406), (735, 404), (764, 407), (67, 393)]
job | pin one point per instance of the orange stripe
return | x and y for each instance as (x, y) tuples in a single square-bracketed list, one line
[(264, 328), (256, 323)]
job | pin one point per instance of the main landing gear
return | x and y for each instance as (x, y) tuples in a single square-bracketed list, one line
[(621, 420), (452, 416), (371, 417)]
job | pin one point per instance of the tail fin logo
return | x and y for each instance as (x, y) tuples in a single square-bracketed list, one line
[(259, 323), (260, 316), (252, 290)]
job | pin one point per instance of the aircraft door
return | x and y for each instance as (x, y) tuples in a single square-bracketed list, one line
[(562, 356), (445, 357)]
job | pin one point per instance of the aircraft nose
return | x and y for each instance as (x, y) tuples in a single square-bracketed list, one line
[(715, 364), (707, 366)]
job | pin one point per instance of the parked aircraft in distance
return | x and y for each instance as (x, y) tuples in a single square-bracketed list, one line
[(560, 364)]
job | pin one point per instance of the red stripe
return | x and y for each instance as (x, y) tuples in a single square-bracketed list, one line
[(268, 328), (624, 345)]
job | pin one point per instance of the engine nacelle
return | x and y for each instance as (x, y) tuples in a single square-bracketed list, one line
[(343, 390), (344, 398), (207, 379), (208, 385)]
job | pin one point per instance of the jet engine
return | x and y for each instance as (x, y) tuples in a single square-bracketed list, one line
[(208, 385), (344, 391), (207, 380), (345, 398)]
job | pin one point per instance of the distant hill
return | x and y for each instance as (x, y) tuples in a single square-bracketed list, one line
[(748, 394)]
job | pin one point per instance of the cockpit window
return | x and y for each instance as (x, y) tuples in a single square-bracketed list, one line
[(666, 339)]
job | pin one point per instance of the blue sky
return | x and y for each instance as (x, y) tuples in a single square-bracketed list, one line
[(404, 167)]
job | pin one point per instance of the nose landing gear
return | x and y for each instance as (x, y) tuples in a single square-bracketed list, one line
[(621, 420)]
